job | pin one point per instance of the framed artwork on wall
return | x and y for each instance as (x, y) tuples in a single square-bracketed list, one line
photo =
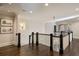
[(6, 22), (6, 30)]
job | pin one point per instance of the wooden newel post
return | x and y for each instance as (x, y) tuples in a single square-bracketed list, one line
[(19, 38), (32, 38), (37, 38), (69, 37), (61, 44), (29, 39), (51, 42)]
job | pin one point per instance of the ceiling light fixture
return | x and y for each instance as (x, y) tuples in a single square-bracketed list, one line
[(30, 11), (76, 9), (46, 4)]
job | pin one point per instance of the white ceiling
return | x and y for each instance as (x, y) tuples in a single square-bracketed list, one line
[(39, 10)]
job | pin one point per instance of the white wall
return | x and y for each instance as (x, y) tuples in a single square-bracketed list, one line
[(21, 19), (49, 27), (36, 26), (75, 29), (6, 39)]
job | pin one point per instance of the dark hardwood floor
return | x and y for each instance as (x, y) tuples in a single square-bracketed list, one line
[(42, 50)]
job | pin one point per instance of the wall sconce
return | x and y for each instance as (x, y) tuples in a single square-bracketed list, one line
[(22, 26)]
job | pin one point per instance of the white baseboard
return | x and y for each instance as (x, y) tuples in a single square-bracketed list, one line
[(76, 38), (22, 44), (5, 44)]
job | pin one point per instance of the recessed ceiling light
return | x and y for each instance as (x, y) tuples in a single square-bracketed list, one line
[(30, 11), (76, 9), (46, 4)]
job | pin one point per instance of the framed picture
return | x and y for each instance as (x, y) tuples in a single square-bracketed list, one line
[(6, 22), (6, 30)]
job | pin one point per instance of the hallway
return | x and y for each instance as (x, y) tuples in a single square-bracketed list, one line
[(24, 23), (42, 50)]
